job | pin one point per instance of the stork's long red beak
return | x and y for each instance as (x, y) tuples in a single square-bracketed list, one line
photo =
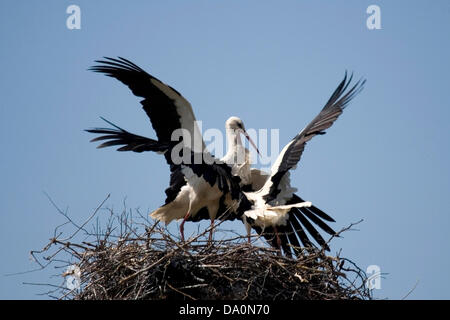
[(251, 142)]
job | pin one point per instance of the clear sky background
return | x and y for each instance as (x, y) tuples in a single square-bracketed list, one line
[(274, 64)]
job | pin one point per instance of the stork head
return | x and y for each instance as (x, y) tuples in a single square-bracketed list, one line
[(237, 125)]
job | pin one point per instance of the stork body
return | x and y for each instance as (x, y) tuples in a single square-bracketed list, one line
[(193, 196), (198, 193)]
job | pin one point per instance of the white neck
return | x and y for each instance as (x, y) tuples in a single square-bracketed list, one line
[(237, 157), (234, 145), (233, 140)]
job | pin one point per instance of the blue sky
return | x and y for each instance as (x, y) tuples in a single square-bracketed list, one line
[(274, 64)]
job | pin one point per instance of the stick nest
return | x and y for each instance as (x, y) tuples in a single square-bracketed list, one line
[(123, 263)]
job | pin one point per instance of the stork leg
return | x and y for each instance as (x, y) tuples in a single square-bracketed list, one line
[(278, 238), (182, 226), (211, 231), (248, 228)]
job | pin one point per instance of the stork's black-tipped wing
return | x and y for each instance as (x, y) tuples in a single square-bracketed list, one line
[(292, 152), (299, 221), (128, 141), (167, 109), (294, 230)]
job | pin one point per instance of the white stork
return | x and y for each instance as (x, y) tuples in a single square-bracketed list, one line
[(277, 191), (197, 189), (287, 218)]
